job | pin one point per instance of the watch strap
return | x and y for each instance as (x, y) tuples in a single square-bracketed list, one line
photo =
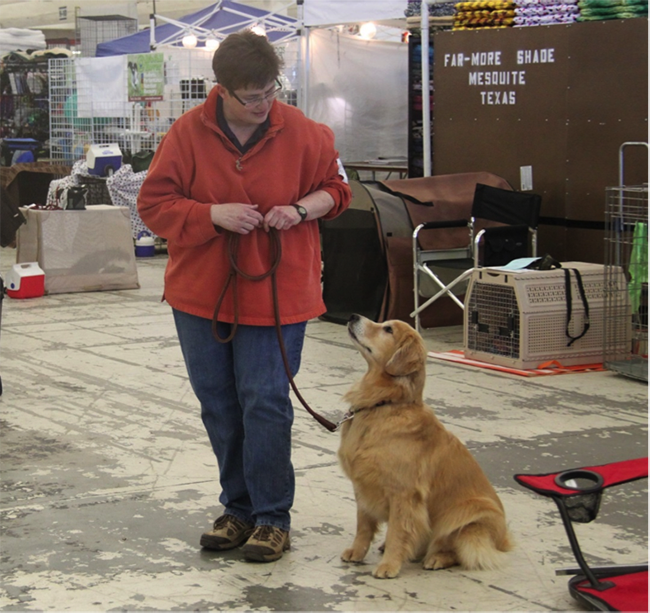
[(302, 211)]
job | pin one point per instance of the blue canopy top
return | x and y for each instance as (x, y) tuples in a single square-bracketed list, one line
[(220, 19)]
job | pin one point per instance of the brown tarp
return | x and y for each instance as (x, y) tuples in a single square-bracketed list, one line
[(395, 218), (452, 197), (29, 182)]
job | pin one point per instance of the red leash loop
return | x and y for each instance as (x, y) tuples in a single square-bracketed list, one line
[(234, 273)]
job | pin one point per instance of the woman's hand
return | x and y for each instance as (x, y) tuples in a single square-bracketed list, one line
[(236, 217), (281, 218)]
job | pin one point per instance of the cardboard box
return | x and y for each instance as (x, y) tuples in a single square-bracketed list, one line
[(80, 251)]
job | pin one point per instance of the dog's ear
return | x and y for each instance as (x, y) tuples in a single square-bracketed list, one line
[(407, 359)]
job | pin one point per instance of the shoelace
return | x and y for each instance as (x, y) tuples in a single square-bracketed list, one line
[(265, 533)]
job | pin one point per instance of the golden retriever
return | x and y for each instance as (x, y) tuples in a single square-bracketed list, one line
[(407, 469)]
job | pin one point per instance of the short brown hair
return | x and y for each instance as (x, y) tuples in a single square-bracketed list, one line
[(245, 60)]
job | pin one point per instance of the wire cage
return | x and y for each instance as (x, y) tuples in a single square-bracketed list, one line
[(92, 30), (89, 107), (23, 98), (626, 247), (82, 114)]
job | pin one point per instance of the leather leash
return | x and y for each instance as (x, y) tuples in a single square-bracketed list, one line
[(234, 273)]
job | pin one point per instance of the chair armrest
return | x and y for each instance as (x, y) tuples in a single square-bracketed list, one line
[(452, 223), (611, 474)]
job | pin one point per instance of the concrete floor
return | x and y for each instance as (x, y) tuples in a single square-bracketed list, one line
[(108, 479)]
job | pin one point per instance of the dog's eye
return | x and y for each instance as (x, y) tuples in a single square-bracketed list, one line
[(388, 329)]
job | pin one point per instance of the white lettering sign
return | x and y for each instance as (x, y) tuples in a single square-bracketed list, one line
[(516, 77), (486, 58), (456, 59), (536, 56), (491, 79), (495, 98)]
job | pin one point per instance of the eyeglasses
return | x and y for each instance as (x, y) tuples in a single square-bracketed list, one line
[(257, 100)]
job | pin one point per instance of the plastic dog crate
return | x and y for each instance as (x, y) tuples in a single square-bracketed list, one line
[(520, 318)]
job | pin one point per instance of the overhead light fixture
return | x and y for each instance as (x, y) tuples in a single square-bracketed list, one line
[(189, 41), (211, 44), (368, 30), (259, 30)]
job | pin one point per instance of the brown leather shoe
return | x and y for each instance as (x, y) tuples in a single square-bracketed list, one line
[(266, 544), (228, 532)]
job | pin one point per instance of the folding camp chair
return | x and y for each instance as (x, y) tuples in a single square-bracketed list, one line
[(517, 216), (577, 493)]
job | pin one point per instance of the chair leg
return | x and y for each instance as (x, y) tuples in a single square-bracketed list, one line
[(416, 290), (446, 289)]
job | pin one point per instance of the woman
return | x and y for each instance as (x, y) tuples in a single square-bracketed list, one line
[(244, 165)]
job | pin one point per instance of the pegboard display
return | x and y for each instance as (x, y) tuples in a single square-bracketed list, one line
[(92, 100), (528, 105), (626, 305), (83, 112), (23, 98)]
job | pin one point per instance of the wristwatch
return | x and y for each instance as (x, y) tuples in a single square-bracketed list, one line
[(302, 211)]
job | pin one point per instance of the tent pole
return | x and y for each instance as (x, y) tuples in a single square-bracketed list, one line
[(303, 57), (426, 98), (305, 77), (152, 31)]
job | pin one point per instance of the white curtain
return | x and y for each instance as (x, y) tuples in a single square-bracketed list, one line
[(359, 88)]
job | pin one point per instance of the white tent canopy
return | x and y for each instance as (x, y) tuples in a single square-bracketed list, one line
[(214, 21), (359, 88), (332, 12)]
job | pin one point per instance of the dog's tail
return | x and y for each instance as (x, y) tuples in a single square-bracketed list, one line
[(482, 538), (482, 546)]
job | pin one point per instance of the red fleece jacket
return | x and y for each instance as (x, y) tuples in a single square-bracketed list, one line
[(196, 166)]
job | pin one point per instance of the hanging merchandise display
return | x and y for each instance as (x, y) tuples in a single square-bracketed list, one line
[(599, 10)]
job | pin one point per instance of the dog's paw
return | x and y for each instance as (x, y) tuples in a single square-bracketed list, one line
[(438, 561), (386, 570), (349, 555)]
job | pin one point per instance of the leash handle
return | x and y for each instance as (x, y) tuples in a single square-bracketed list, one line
[(328, 425), (235, 271)]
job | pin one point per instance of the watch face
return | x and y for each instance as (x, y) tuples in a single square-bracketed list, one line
[(302, 211)]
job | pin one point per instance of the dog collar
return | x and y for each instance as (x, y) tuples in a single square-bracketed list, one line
[(352, 412)]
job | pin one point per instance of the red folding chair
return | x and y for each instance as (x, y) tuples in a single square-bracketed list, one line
[(577, 493)]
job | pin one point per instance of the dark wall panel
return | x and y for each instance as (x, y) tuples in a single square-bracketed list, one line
[(592, 163), (565, 98)]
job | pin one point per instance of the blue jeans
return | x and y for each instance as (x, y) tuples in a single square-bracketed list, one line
[(245, 406)]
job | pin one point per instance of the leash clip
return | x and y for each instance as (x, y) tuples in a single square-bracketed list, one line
[(347, 417)]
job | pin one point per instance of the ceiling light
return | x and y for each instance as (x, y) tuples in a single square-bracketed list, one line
[(211, 44), (259, 30), (189, 41), (368, 30)]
